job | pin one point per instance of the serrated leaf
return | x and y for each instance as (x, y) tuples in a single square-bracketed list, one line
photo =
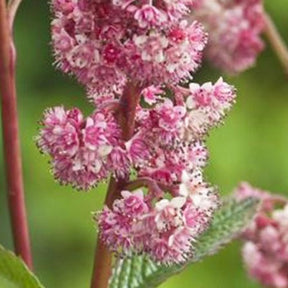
[(227, 223), (15, 273)]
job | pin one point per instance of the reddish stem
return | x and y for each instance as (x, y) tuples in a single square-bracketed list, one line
[(127, 111), (12, 152), (277, 42), (148, 182), (103, 257), (126, 119)]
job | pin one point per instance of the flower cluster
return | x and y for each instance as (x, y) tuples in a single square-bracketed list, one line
[(104, 43), (164, 150), (83, 151), (132, 57), (172, 135), (165, 229), (265, 251), (235, 27)]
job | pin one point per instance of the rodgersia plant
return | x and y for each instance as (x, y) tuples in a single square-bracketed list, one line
[(130, 55), (136, 60)]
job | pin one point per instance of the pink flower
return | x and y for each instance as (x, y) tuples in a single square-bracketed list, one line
[(61, 133), (164, 229), (134, 203), (265, 250), (234, 30), (115, 229), (149, 15), (138, 150), (105, 43), (117, 224), (208, 105), (166, 121), (83, 151), (152, 94), (111, 53), (245, 190)]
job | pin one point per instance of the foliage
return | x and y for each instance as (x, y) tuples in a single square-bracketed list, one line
[(15, 272)]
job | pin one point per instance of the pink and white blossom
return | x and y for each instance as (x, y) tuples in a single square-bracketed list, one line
[(164, 229), (104, 43), (265, 249), (83, 151), (235, 29)]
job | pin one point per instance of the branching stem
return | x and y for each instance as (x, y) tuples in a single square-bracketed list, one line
[(126, 119), (145, 182)]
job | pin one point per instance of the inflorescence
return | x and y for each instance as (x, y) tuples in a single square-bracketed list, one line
[(265, 250), (154, 46), (235, 28)]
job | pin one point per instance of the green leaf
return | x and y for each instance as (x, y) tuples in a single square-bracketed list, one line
[(227, 223), (14, 273)]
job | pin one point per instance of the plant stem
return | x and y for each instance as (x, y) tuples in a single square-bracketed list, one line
[(103, 257), (146, 182), (277, 42), (11, 142), (13, 6), (127, 111), (126, 119)]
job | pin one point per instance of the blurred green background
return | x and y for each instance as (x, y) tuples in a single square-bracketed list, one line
[(252, 146)]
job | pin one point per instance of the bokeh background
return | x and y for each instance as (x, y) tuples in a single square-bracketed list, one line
[(251, 146)]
